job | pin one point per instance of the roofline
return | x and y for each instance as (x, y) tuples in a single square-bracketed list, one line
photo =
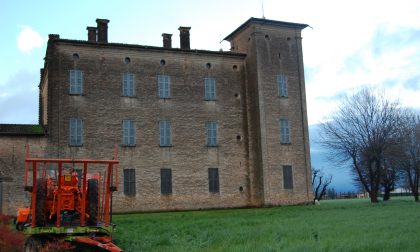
[(22, 133), (265, 21), (156, 48)]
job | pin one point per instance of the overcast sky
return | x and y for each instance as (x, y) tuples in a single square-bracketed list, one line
[(351, 43)]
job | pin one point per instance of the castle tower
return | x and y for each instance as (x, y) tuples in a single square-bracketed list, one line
[(276, 108)]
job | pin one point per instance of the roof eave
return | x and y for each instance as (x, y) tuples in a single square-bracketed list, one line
[(265, 21)]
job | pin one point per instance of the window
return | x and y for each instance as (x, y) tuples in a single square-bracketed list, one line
[(211, 133), (130, 182), (128, 84), (165, 181), (129, 133), (76, 132), (210, 89), (165, 133), (76, 82), (214, 180), (284, 131), (282, 85), (287, 177), (164, 86)]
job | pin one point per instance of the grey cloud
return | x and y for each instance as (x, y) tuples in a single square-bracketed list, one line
[(19, 99)]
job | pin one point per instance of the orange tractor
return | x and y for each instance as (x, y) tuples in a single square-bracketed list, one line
[(68, 203)]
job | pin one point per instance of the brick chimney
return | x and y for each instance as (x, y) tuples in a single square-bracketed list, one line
[(167, 40), (102, 30), (91, 33), (184, 35)]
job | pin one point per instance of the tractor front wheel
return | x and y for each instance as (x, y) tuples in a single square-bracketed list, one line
[(33, 244), (92, 202)]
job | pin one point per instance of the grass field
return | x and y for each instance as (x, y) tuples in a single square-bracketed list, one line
[(337, 225)]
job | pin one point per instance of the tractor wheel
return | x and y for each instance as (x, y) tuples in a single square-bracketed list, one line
[(40, 211), (32, 244), (92, 202)]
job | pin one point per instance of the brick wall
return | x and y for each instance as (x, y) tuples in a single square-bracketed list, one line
[(102, 109), (12, 170)]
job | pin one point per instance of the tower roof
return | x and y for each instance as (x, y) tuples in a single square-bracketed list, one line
[(264, 22)]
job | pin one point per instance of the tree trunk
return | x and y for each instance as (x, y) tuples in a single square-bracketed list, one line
[(416, 195), (374, 196), (387, 194)]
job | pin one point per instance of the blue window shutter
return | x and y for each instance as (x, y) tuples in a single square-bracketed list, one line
[(132, 133), (165, 133), (168, 133), (129, 133), (209, 89), (80, 82), (160, 86), (72, 82), (80, 132), (72, 132), (167, 87), (75, 132), (284, 131), (282, 85), (211, 133), (161, 133), (163, 86), (131, 85), (125, 85), (206, 89)]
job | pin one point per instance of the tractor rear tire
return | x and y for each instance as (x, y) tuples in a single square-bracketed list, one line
[(40, 211), (32, 244), (92, 202)]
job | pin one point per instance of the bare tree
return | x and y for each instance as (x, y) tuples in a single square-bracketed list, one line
[(320, 183), (361, 131), (408, 157)]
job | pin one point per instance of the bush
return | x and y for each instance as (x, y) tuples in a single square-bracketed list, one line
[(10, 240)]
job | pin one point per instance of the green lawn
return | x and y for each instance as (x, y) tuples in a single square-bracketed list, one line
[(338, 225)]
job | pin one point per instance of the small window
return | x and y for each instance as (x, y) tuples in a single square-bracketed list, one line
[(128, 84), (76, 82), (210, 89), (211, 133), (287, 177), (213, 180), (282, 85), (165, 133), (165, 181), (75, 132), (164, 84), (130, 182), (129, 133), (284, 131)]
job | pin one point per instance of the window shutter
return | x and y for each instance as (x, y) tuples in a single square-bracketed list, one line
[(80, 82), (166, 181), (287, 177), (72, 82), (125, 85), (79, 132), (131, 85), (284, 131)]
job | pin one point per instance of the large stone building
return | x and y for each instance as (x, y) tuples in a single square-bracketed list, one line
[(194, 128)]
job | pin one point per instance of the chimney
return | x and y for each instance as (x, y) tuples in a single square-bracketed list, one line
[(167, 40), (91, 33), (102, 30), (184, 35), (53, 36)]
